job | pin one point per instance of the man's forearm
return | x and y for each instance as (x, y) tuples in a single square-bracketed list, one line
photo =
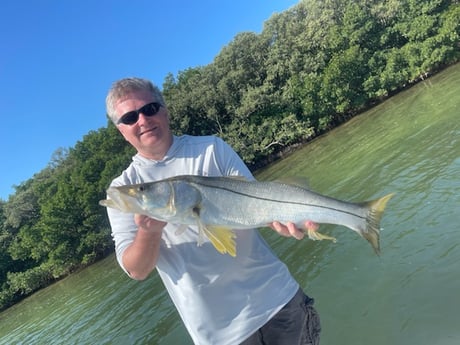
[(140, 258)]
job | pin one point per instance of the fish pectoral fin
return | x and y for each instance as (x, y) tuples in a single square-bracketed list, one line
[(201, 227), (222, 238)]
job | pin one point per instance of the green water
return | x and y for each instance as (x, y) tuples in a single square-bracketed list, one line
[(410, 145)]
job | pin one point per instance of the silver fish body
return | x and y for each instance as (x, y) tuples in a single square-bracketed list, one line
[(218, 204)]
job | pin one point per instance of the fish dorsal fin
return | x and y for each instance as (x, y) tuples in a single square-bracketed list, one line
[(298, 181)]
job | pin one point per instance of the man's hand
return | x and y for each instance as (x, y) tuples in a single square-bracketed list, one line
[(291, 230), (148, 224)]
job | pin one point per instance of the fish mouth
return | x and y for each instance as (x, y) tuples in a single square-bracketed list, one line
[(116, 199), (124, 199)]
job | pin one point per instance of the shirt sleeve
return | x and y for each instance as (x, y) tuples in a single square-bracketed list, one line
[(123, 231), (230, 162), (123, 226)]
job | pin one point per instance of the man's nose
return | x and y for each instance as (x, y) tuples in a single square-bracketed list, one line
[(142, 119)]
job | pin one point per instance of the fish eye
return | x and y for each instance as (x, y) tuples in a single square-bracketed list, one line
[(141, 188)]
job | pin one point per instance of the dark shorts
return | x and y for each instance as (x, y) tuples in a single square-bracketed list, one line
[(296, 324)]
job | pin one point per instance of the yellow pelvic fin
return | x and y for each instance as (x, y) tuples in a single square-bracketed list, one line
[(222, 238)]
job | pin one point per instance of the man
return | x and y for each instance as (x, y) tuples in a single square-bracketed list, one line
[(248, 299)]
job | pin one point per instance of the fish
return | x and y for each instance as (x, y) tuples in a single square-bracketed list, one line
[(218, 205)]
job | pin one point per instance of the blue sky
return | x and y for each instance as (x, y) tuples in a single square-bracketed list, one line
[(58, 58)]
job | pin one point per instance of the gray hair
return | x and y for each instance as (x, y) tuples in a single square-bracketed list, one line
[(124, 87)]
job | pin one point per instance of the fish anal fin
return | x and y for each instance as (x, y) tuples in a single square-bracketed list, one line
[(316, 236), (222, 238), (311, 229)]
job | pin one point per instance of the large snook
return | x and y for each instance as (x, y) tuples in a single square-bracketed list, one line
[(218, 204)]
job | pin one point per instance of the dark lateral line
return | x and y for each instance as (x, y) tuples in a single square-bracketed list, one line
[(283, 202)]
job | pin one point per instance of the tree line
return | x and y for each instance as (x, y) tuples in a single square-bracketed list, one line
[(311, 68)]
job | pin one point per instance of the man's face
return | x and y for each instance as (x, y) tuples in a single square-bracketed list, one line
[(150, 135)]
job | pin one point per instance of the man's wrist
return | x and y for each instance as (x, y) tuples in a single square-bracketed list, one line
[(151, 230)]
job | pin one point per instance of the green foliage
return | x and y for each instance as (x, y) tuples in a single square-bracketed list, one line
[(321, 61), (28, 281), (53, 224), (311, 68)]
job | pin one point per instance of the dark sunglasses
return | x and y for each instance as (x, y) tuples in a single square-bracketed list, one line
[(131, 117)]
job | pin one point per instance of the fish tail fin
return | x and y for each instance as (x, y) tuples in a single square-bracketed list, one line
[(374, 216), (222, 238)]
